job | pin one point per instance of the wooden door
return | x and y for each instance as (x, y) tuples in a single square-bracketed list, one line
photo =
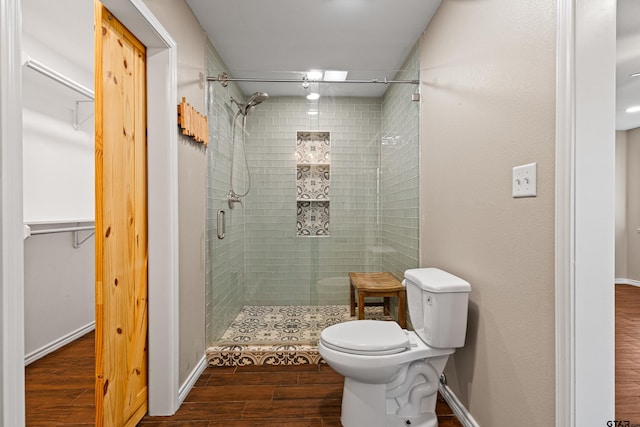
[(121, 223)]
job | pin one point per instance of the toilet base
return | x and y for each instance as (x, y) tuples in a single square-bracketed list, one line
[(365, 405), (424, 420)]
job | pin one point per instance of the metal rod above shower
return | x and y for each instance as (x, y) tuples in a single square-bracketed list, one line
[(223, 78)]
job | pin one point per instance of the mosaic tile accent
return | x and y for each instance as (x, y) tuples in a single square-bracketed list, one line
[(313, 147), (280, 335), (313, 182), (313, 153), (244, 356), (313, 219)]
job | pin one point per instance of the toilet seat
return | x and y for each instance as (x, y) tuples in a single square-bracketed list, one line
[(366, 337)]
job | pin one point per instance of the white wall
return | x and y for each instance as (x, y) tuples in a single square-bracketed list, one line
[(58, 172), (58, 290), (58, 160)]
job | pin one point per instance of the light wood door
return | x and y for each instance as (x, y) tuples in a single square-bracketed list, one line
[(121, 223)]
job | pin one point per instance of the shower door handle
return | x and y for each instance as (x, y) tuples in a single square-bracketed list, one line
[(222, 224)]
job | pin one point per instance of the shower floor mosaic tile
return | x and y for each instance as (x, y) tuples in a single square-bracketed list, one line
[(279, 335)]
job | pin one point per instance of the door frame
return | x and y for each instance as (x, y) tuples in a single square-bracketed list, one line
[(584, 224), (162, 178), (163, 208), (11, 220)]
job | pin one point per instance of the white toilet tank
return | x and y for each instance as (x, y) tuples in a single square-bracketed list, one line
[(438, 303)]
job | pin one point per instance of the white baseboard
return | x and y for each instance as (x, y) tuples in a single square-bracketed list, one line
[(191, 380), (457, 407), (59, 343), (627, 282)]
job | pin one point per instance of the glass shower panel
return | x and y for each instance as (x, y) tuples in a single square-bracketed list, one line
[(225, 227), (297, 283), (399, 172)]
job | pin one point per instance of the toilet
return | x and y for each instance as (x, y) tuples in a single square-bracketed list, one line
[(391, 374)]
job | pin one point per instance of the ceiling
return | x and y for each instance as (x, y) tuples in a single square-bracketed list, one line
[(283, 39), (628, 62), (274, 38)]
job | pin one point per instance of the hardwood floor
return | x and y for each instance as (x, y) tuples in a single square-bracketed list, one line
[(628, 353), (60, 393), (59, 387)]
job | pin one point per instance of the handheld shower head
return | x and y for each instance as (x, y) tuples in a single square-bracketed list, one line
[(257, 98), (252, 101)]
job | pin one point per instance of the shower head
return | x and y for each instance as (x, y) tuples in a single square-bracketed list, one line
[(256, 99), (253, 100)]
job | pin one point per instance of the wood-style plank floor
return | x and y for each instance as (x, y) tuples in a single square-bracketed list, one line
[(60, 393), (628, 353)]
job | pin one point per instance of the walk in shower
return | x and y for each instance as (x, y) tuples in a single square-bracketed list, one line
[(333, 189)]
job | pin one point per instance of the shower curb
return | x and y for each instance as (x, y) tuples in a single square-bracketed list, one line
[(256, 356)]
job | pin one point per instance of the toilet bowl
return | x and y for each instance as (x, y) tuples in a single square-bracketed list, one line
[(391, 374)]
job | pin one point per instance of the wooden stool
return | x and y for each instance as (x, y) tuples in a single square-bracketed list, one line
[(378, 285)]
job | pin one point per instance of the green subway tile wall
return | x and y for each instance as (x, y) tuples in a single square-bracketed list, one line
[(281, 267)]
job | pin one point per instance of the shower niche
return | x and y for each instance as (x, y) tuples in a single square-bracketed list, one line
[(313, 182)]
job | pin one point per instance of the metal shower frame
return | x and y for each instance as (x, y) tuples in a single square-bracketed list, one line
[(223, 78)]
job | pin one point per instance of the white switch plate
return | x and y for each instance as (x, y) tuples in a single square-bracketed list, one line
[(524, 180)]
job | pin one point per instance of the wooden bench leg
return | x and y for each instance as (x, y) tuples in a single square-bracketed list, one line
[(360, 305), (352, 300), (402, 309), (385, 305)]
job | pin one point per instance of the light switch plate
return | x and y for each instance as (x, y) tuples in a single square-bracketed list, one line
[(524, 180)]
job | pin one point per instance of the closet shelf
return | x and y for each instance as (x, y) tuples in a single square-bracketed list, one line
[(87, 94), (59, 78)]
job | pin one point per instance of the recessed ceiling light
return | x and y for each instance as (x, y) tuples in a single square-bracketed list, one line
[(335, 76), (314, 75), (313, 96), (634, 109)]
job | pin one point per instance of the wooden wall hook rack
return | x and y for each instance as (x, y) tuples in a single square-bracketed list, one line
[(192, 123)]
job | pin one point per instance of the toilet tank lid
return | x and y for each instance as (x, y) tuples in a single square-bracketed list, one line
[(436, 280)]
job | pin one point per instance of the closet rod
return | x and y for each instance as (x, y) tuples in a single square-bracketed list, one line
[(62, 230), (62, 79)]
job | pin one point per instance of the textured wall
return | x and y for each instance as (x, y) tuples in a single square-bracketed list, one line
[(488, 73), (178, 19)]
